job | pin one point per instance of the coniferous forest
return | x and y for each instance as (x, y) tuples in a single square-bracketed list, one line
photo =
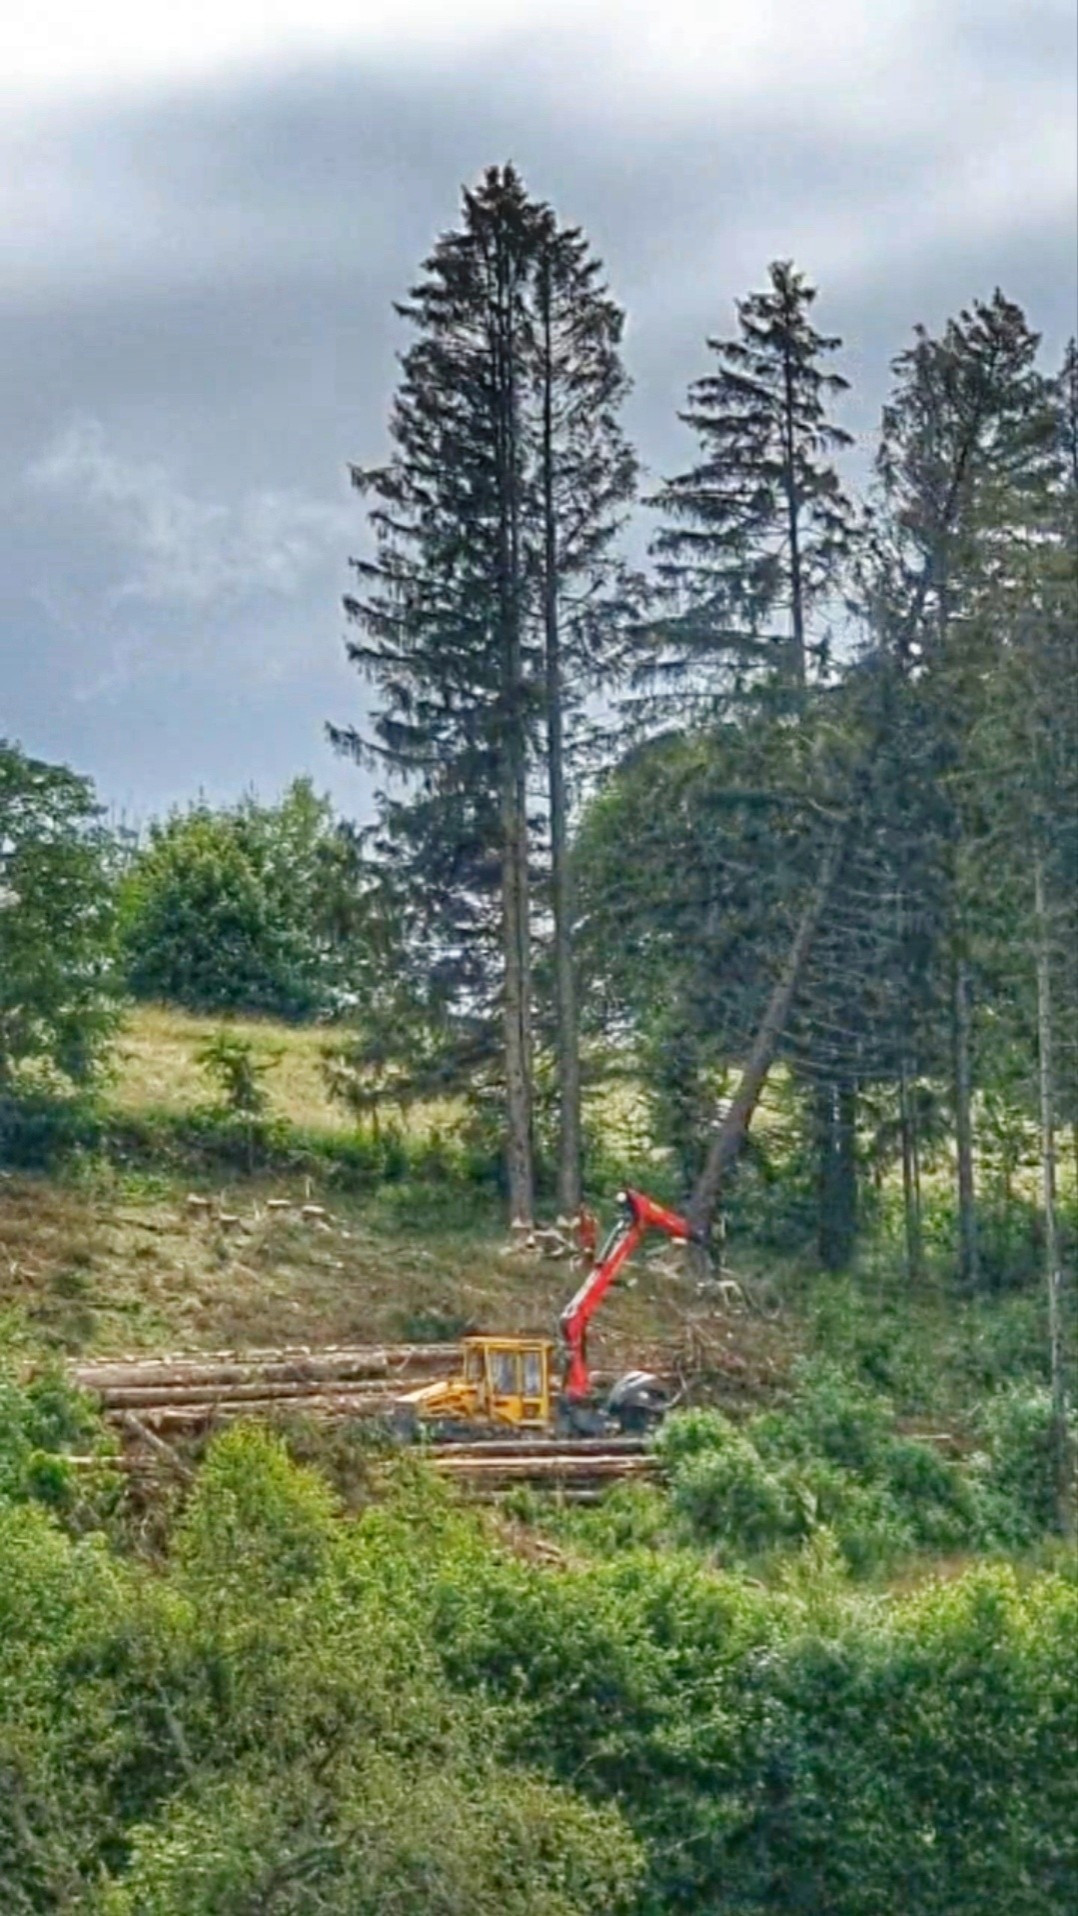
[(723, 844)]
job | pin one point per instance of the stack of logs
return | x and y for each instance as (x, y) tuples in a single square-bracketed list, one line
[(155, 1400), (188, 1393)]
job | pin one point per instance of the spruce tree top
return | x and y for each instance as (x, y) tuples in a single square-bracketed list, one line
[(755, 536)]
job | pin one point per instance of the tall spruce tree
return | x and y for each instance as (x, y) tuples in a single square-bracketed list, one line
[(965, 449), (442, 610), (753, 552), (587, 474), (1065, 396), (755, 536), (482, 610)]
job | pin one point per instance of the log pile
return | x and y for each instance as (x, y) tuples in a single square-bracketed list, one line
[(187, 1393), (578, 1464), (156, 1402), (178, 1395)]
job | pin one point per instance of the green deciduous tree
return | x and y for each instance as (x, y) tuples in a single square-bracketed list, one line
[(59, 984), (250, 907)]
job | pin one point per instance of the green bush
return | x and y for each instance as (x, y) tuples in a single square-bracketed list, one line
[(1015, 1429), (237, 1068), (385, 1841), (246, 908), (833, 1458), (261, 1722), (292, 1712), (40, 1422), (792, 1751), (256, 1520), (724, 1490)]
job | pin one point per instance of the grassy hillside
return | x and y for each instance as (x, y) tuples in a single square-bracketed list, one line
[(118, 1251), (118, 1263), (157, 1068)]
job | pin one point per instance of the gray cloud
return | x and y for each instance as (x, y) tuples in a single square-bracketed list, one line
[(207, 276), (183, 550)]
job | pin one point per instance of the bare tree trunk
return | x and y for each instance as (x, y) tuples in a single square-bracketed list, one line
[(968, 1255), (1052, 1259), (797, 595), (837, 1174), (728, 1139), (826, 1153), (565, 994), (516, 921), (516, 1012), (846, 1171), (911, 1182), (567, 1032)]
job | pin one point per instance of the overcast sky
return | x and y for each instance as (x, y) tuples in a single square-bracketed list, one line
[(208, 209)]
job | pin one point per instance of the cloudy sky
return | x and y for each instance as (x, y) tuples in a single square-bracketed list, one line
[(208, 209)]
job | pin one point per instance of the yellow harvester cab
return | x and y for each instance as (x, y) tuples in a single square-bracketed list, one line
[(502, 1380)]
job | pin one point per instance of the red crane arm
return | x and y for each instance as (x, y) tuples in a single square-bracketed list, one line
[(640, 1214)]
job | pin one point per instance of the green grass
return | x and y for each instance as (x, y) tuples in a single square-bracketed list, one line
[(106, 1254), (156, 1070)]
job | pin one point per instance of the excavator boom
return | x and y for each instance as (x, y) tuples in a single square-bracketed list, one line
[(508, 1381), (639, 1214)]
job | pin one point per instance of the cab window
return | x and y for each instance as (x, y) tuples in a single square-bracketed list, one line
[(533, 1374), (505, 1374)]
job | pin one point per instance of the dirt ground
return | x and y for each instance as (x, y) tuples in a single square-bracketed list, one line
[(153, 1267)]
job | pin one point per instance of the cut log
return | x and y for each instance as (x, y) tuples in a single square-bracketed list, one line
[(257, 1391), (283, 1365)]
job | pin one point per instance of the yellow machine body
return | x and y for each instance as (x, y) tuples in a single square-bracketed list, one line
[(502, 1380)]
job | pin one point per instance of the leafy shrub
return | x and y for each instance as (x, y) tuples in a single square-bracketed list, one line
[(40, 1129), (255, 1520), (261, 1721), (40, 1421), (832, 1457), (723, 1488), (385, 1842), (833, 1415), (804, 1750), (290, 1712), (1015, 1429), (237, 1069)]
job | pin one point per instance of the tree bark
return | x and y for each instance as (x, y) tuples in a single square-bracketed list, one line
[(797, 594), (836, 1116), (516, 926), (727, 1141), (911, 1179), (516, 999), (846, 1169), (567, 1031), (1053, 1268), (968, 1252)]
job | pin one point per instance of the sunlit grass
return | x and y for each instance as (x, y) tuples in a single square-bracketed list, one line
[(156, 1068)]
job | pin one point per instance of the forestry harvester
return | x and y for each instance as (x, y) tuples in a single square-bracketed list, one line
[(510, 1384)]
